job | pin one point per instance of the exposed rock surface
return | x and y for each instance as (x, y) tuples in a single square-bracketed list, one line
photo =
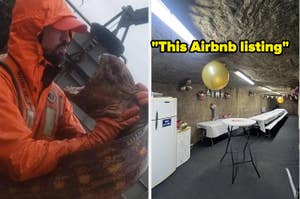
[(271, 20)]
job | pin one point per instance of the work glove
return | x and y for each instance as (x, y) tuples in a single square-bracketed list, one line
[(142, 95), (106, 129)]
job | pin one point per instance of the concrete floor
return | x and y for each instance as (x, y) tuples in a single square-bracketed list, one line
[(204, 177)]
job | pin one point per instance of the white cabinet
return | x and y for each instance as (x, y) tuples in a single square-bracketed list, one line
[(183, 145)]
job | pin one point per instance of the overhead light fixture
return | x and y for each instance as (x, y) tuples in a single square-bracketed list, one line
[(269, 90), (162, 12), (244, 77), (266, 89)]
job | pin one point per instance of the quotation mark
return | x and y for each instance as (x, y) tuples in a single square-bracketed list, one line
[(154, 44), (285, 43)]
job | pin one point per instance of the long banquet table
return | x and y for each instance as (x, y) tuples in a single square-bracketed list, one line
[(269, 119)]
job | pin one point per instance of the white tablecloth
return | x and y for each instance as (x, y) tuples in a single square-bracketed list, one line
[(239, 122), (265, 118), (214, 128)]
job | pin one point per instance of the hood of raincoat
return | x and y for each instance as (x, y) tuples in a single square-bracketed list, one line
[(28, 20)]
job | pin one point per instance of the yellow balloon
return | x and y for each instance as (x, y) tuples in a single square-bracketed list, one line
[(215, 75), (280, 100)]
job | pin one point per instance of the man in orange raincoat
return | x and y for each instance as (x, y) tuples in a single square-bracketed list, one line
[(33, 109)]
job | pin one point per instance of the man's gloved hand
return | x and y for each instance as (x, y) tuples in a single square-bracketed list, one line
[(142, 95), (106, 130)]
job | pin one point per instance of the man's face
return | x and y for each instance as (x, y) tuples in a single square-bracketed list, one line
[(55, 43)]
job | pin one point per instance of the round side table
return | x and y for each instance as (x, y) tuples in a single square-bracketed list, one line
[(241, 123)]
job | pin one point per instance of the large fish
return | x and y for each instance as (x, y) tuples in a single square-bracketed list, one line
[(105, 171)]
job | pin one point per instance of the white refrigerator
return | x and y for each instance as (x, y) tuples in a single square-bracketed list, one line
[(163, 138)]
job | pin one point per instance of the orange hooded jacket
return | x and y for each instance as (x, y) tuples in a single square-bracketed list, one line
[(27, 145)]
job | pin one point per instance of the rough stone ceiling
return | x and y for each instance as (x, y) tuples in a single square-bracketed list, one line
[(222, 20)]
